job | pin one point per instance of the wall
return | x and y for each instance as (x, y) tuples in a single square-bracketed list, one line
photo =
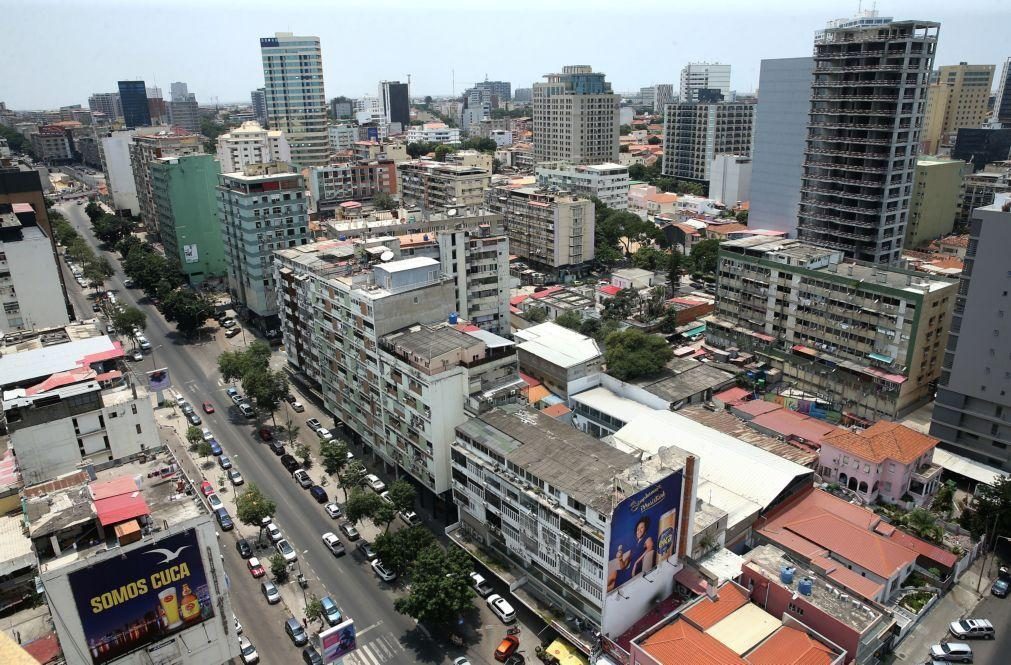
[(937, 187), (36, 277), (194, 209), (119, 172), (780, 137)]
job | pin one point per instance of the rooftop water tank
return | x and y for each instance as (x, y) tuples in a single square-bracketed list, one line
[(786, 574), (453, 318), (805, 586)]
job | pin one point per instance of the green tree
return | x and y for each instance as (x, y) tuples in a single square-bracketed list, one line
[(944, 500), (110, 229), (637, 172), (127, 244), (649, 257), (607, 255), (96, 273), (399, 548), (93, 211), (16, 141), (670, 322), (278, 568), (621, 305), (536, 314), (923, 523), (267, 388), (203, 449), (352, 477), (654, 140), (128, 318), (441, 151), (628, 228), (418, 148), (742, 216), (570, 320), (303, 454), (675, 268), (440, 590), (402, 495), (291, 430), (384, 201), (334, 454), (194, 436), (631, 354), (989, 514), (479, 144), (625, 130), (361, 505), (314, 610), (703, 256), (253, 506), (189, 310)]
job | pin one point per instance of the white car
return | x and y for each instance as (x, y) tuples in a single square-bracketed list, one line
[(214, 501), (324, 434), (137, 356), (297, 407), (207, 434), (270, 592), (238, 626), (273, 532), (383, 572), (248, 652), (372, 480), (333, 543), (333, 510), (286, 550), (480, 584), (501, 607), (235, 477)]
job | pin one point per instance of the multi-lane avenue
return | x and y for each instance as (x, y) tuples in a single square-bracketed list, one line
[(386, 636)]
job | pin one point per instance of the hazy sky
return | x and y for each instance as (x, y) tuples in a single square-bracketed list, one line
[(57, 52)]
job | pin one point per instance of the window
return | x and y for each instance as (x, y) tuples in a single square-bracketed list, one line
[(133, 409), (138, 428)]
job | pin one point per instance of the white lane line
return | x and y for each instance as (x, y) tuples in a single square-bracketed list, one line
[(366, 656), (368, 628)]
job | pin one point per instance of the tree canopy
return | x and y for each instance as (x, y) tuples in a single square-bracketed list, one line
[(236, 364), (189, 310), (127, 318), (351, 477), (399, 548), (703, 256), (110, 229), (440, 587), (253, 505), (631, 354), (570, 320)]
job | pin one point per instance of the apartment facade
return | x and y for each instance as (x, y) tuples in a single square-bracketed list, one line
[(145, 149), (550, 230), (251, 144), (1001, 116), (106, 103), (342, 136), (730, 179), (51, 145), (433, 132), (262, 209), (867, 103), (477, 261), (980, 189), (395, 102), (185, 197), (694, 133), (959, 98), (608, 182), (433, 184), (575, 117), (185, 113), (937, 192), (972, 412), (700, 79), (868, 339), (329, 186), (258, 100), (134, 104), (31, 288), (293, 88)]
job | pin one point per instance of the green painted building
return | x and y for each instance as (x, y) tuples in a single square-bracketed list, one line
[(185, 194)]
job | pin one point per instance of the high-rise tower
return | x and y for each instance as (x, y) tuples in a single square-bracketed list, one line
[(296, 103)]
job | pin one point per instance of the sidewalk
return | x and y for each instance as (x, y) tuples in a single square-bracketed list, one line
[(959, 602)]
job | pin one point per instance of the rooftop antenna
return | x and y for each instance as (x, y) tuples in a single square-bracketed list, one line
[(453, 74)]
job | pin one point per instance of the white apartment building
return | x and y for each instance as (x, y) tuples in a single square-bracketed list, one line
[(608, 182), (541, 496), (262, 209), (56, 431), (433, 184), (473, 158), (433, 132), (251, 144), (342, 136), (118, 169), (31, 290), (551, 230), (296, 103), (696, 76), (575, 117), (402, 381), (501, 137), (730, 179)]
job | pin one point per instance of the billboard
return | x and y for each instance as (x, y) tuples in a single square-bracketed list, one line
[(338, 641), (141, 597), (644, 531), (191, 254), (159, 379)]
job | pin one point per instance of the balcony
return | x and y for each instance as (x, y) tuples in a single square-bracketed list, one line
[(927, 474)]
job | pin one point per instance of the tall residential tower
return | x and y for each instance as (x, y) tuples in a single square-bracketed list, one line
[(575, 117), (296, 104)]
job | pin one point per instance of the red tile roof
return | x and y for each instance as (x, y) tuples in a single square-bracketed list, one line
[(680, 642), (547, 292), (925, 549), (846, 578), (732, 395), (790, 646), (790, 423), (45, 650), (556, 410), (707, 612), (883, 440), (609, 290), (756, 407)]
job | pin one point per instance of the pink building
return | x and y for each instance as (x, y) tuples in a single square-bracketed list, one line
[(886, 461)]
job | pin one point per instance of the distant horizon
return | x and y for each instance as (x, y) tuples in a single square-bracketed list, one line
[(516, 41)]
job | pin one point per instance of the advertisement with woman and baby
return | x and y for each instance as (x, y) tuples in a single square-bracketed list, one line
[(644, 531)]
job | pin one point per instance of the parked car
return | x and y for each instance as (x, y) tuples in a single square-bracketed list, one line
[(137, 356), (245, 548), (332, 510), (410, 518), (311, 657), (480, 584), (349, 531), (333, 543), (319, 494), (501, 607), (265, 434), (290, 463), (215, 447), (214, 501), (207, 407), (1000, 588), (373, 481), (224, 462), (194, 419), (302, 478), (227, 323), (255, 567), (384, 573), (235, 477), (224, 519), (331, 613), (952, 652), (277, 447), (248, 652), (270, 592), (246, 410), (972, 628), (232, 332), (365, 547), (313, 424), (385, 496), (324, 434), (297, 407), (207, 434), (231, 391), (128, 283), (273, 532), (206, 488), (285, 549), (506, 648), (296, 632)]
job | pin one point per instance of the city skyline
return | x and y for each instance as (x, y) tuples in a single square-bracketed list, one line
[(740, 36)]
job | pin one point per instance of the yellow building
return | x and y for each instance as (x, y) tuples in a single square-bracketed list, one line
[(957, 99), (933, 207)]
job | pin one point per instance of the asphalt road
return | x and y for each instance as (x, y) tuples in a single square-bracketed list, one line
[(998, 650), (384, 635)]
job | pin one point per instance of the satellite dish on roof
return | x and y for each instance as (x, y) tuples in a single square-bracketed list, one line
[(386, 256)]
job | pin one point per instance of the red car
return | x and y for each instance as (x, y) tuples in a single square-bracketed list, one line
[(208, 407), (506, 648), (206, 488), (255, 567), (266, 434)]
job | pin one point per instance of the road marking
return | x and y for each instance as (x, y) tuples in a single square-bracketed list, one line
[(368, 628)]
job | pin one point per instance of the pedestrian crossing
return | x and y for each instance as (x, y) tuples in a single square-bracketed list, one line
[(383, 649)]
